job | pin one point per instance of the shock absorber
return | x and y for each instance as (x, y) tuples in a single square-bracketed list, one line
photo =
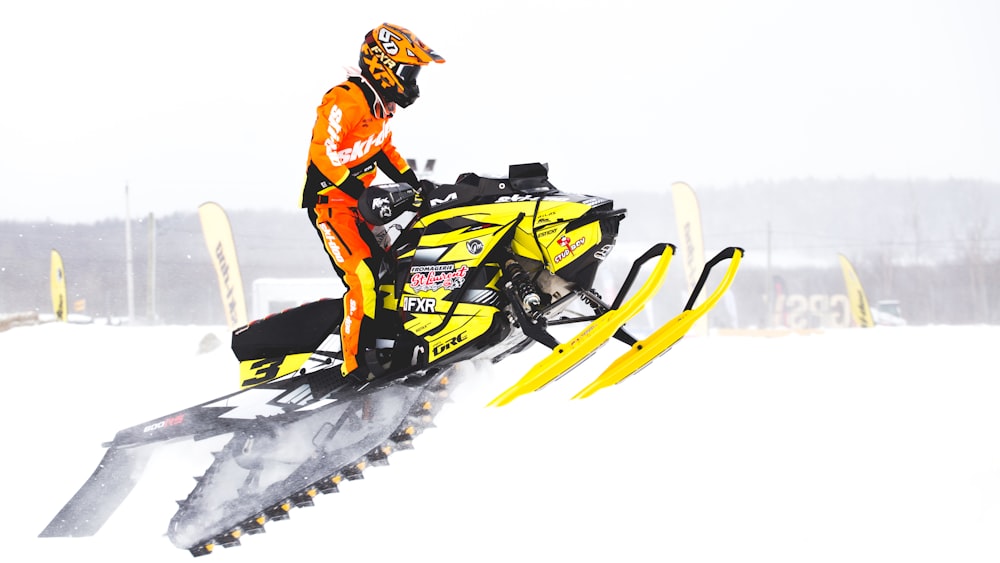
[(519, 281)]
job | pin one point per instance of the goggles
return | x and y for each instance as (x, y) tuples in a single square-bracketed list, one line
[(407, 73)]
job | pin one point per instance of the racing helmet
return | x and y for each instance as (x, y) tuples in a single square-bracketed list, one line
[(391, 57)]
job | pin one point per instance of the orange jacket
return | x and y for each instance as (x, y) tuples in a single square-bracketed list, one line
[(348, 139)]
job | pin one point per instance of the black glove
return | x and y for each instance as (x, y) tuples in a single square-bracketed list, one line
[(425, 187), (410, 177)]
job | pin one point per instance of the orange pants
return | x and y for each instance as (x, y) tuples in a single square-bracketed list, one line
[(349, 243)]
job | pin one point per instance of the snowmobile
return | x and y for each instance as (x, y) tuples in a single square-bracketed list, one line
[(475, 270)]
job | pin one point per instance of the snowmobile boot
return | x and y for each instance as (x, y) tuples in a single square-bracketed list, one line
[(373, 364)]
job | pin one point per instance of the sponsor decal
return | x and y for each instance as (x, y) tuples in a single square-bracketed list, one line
[(516, 198), (172, 421), (447, 344), (413, 304), (331, 243), (349, 318), (581, 337), (548, 232), (333, 130), (437, 276), (381, 206), (604, 252), (546, 217), (474, 246), (361, 148), (388, 40), (570, 247), (383, 58)]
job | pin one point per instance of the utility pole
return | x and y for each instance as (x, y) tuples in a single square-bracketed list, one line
[(129, 275), (769, 285), (151, 272)]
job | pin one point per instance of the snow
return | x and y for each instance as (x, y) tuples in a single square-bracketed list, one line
[(847, 445)]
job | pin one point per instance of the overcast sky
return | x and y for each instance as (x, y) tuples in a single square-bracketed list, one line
[(190, 101)]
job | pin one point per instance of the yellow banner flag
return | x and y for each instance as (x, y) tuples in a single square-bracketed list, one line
[(57, 281), (692, 245), (860, 310), (219, 241)]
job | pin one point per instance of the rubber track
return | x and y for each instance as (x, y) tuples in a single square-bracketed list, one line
[(420, 418)]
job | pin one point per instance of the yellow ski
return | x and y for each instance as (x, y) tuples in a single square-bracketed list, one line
[(656, 344), (567, 356)]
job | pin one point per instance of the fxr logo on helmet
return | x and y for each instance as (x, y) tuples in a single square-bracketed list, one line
[(380, 65)]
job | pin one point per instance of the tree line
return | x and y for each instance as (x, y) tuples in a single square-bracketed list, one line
[(932, 245)]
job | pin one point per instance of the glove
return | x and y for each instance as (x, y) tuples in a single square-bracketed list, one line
[(425, 187), (410, 177)]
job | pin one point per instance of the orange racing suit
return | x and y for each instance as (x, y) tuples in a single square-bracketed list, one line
[(350, 139)]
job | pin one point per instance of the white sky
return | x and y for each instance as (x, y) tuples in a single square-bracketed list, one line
[(778, 450), (193, 101)]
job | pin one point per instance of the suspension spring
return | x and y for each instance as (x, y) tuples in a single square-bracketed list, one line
[(521, 283)]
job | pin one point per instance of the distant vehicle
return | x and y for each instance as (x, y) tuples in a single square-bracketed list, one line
[(887, 312)]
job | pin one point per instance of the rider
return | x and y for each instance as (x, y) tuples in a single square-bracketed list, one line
[(350, 138)]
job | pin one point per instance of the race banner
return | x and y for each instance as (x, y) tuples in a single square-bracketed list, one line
[(692, 246), (219, 241), (57, 281), (860, 311)]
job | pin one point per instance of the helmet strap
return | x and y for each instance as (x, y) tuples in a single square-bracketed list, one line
[(380, 109)]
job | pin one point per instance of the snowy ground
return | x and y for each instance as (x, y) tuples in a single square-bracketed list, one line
[(854, 445)]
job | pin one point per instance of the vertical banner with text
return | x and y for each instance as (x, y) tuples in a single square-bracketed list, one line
[(221, 248), (860, 310), (692, 245), (57, 280)]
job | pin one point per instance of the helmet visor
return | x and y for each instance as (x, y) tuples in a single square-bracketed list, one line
[(407, 73)]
